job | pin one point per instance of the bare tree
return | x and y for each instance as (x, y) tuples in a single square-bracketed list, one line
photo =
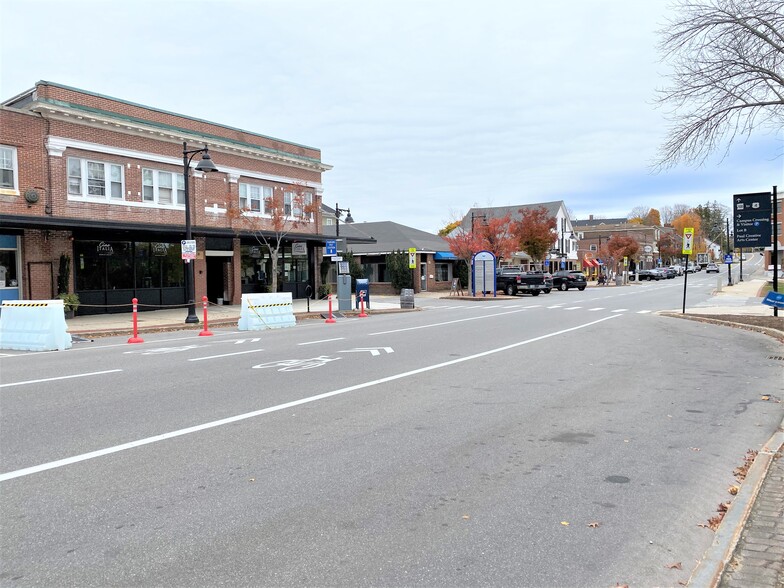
[(640, 211), (728, 75), (670, 213)]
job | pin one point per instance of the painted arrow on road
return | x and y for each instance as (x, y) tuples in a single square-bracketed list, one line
[(372, 350)]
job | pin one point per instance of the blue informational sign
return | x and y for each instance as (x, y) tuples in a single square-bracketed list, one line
[(728, 258), (546, 262), (563, 264), (775, 299), (332, 247)]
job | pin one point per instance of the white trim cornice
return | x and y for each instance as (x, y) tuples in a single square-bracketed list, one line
[(139, 128), (57, 145)]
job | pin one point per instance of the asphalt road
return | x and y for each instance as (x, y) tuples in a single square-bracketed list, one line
[(570, 439)]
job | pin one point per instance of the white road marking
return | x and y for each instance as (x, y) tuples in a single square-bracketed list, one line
[(248, 415), (473, 318), (58, 378), (555, 306), (620, 310), (595, 309), (573, 308), (225, 355), (321, 341), (373, 350), (643, 311)]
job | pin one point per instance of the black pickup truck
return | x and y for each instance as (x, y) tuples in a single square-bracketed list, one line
[(513, 282)]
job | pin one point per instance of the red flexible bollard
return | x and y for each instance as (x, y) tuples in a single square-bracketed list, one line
[(204, 332), (135, 338), (362, 313), (331, 318)]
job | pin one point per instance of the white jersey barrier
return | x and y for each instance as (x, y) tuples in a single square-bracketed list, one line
[(34, 325), (266, 311)]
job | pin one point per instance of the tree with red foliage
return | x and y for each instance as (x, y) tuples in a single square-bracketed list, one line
[(286, 210), (620, 246), (492, 234), (535, 232)]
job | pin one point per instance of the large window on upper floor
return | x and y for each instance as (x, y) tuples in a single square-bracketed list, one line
[(253, 197), (95, 179), (299, 206), (161, 187), (9, 174)]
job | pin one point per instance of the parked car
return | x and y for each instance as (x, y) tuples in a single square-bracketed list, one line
[(711, 267), (565, 279), (651, 274), (669, 273), (678, 269)]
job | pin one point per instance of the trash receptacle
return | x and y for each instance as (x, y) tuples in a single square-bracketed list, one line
[(407, 298), (362, 290), (619, 280)]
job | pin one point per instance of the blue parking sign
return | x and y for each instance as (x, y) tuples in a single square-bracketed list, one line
[(332, 247)]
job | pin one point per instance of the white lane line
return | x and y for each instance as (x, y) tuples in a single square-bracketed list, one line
[(473, 318), (643, 311), (595, 309), (58, 378), (321, 341), (225, 355), (620, 310), (573, 308), (555, 306), (248, 415)]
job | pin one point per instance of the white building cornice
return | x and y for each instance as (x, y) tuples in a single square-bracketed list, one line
[(58, 145), (174, 136)]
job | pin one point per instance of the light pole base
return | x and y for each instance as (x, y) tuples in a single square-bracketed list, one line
[(191, 319)]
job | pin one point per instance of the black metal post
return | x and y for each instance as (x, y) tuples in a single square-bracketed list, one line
[(775, 246), (740, 253), (205, 165), (685, 279), (729, 252), (189, 271)]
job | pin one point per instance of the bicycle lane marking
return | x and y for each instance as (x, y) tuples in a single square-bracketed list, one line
[(248, 415)]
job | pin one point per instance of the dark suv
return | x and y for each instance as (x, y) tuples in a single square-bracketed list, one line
[(565, 279)]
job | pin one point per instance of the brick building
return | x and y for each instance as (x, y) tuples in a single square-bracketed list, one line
[(98, 182)]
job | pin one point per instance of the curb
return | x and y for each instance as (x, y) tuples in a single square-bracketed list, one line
[(709, 571), (771, 332)]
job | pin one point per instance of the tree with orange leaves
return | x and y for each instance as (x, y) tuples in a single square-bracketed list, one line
[(284, 211), (535, 232), (690, 219), (620, 246)]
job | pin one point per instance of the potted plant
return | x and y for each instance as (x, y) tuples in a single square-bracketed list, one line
[(70, 303)]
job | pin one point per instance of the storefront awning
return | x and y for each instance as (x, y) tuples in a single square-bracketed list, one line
[(589, 263), (444, 255)]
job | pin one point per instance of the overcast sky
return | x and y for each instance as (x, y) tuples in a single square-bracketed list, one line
[(424, 108)]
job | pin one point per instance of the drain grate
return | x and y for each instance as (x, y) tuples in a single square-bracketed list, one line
[(779, 357)]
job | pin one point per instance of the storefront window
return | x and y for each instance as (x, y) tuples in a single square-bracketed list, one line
[(8, 276)]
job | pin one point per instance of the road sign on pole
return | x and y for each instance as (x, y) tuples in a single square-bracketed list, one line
[(188, 249), (688, 240), (412, 258)]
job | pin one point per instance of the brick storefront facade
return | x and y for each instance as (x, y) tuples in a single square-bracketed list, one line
[(100, 181)]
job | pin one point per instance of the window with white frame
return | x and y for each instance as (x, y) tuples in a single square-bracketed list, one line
[(95, 179), (162, 187), (302, 207), (299, 206), (253, 197), (593, 247), (9, 177)]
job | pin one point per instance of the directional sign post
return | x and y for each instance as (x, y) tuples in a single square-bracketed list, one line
[(688, 245)]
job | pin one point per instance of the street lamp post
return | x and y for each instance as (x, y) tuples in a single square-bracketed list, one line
[(205, 165), (338, 212)]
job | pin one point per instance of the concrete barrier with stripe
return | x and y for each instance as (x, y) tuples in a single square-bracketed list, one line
[(266, 311), (34, 326)]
